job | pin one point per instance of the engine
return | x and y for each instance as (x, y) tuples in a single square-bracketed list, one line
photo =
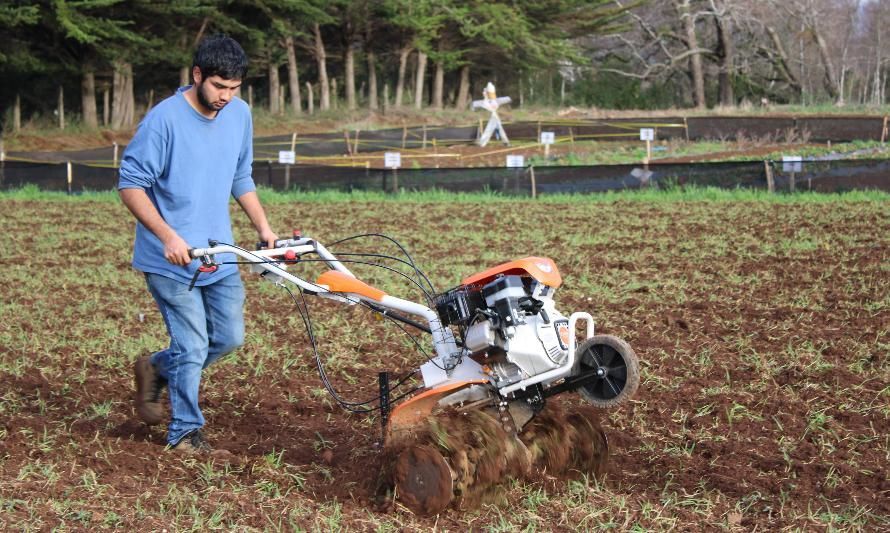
[(508, 322)]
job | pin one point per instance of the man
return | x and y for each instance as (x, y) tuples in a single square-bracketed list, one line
[(190, 153)]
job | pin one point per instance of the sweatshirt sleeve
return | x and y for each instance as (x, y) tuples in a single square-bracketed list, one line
[(145, 159), (243, 182)]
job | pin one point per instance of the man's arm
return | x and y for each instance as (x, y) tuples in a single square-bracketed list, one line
[(176, 250), (250, 203)]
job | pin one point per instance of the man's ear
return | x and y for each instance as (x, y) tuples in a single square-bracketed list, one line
[(196, 75)]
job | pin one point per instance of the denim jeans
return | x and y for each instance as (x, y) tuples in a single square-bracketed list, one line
[(204, 325)]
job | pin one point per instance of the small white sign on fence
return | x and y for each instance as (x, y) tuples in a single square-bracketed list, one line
[(647, 134), (548, 137), (287, 157), (515, 161), (792, 163), (392, 159)]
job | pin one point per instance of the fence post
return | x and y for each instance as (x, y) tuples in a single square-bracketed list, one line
[(70, 176), (404, 135), (531, 170), (2, 162), (355, 145), (348, 144), (770, 183), (114, 156), (424, 137), (884, 131), (686, 128)]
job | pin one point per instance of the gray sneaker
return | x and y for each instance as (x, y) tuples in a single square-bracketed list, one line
[(149, 385)]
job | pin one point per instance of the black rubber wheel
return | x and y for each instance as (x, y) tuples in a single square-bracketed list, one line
[(615, 366)]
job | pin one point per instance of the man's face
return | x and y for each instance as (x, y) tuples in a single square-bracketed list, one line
[(215, 92)]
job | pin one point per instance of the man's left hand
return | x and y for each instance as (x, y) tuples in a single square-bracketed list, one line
[(268, 236)]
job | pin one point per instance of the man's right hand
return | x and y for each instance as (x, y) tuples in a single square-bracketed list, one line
[(176, 250)]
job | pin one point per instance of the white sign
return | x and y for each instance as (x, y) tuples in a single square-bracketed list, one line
[(515, 161), (548, 137), (392, 159), (792, 163), (647, 134), (287, 157)]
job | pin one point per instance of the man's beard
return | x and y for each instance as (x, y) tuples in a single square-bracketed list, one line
[(205, 103)]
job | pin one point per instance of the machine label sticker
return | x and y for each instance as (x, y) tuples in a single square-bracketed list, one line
[(562, 333)]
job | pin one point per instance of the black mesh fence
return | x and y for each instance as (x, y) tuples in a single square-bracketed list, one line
[(823, 176), (816, 129)]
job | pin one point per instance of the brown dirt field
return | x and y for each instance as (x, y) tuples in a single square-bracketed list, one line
[(732, 466)]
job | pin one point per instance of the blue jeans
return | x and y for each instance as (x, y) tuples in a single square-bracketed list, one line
[(204, 325)]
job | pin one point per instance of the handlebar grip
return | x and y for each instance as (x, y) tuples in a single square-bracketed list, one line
[(260, 245)]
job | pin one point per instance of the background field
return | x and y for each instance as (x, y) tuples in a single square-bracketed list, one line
[(762, 325)]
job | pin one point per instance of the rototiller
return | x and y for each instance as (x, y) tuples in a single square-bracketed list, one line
[(501, 349)]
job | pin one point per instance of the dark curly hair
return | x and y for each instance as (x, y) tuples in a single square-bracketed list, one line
[(220, 55)]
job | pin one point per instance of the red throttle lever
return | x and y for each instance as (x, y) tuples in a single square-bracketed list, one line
[(207, 265)]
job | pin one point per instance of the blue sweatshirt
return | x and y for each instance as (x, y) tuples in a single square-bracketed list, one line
[(189, 165)]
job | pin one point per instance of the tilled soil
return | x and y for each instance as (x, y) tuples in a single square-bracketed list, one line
[(762, 331)]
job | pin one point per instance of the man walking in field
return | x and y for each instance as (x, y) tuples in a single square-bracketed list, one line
[(189, 155)]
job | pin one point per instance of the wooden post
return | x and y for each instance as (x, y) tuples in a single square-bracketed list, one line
[(424, 137), (114, 155), (884, 131), (531, 170), (572, 137), (479, 130), (539, 129), (546, 150), (686, 128), (70, 176), (395, 180), (791, 182), (770, 183), (404, 135), (648, 150), (436, 152), (348, 144), (293, 146), (355, 144), (250, 96)]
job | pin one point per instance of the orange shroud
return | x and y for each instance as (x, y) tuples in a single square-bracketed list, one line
[(542, 269)]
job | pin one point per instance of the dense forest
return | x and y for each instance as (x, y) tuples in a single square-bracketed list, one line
[(104, 62)]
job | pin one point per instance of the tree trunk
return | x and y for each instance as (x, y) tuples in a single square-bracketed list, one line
[(17, 114), (385, 97), (372, 81), (827, 65), (184, 76), (782, 61), (463, 92), (321, 58), (106, 107), (349, 67), (695, 63), (727, 53), (88, 99), (274, 84), (400, 84), (310, 98), (293, 76), (250, 96), (418, 81), (123, 101), (61, 108), (439, 80)]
